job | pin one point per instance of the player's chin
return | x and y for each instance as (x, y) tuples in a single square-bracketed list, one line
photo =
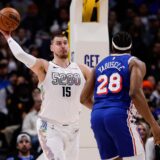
[(64, 56)]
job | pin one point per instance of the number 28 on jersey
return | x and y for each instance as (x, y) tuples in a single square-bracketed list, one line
[(112, 83)]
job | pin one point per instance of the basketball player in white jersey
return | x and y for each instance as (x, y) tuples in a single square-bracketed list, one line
[(61, 83)]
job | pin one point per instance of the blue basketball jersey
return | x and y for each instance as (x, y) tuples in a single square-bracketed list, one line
[(112, 82)]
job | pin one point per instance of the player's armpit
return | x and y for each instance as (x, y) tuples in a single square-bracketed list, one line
[(85, 70), (87, 92), (40, 68)]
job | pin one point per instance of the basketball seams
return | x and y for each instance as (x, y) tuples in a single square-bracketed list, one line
[(9, 19)]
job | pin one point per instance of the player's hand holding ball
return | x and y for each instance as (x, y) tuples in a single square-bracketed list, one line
[(9, 19)]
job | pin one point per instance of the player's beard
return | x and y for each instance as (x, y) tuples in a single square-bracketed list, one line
[(62, 55)]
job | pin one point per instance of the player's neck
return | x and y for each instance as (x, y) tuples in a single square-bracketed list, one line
[(64, 63)]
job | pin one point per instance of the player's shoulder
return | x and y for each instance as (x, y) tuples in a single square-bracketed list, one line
[(134, 61), (139, 64)]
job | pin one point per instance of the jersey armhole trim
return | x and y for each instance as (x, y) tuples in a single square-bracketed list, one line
[(42, 82), (133, 57)]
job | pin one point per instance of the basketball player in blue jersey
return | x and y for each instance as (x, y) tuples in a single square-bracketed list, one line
[(61, 83), (117, 86)]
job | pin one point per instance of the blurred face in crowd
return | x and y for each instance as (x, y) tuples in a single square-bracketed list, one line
[(21, 80), (21, 33), (3, 42), (143, 9), (142, 129), (60, 47), (147, 92), (156, 48), (137, 21), (13, 79), (36, 92), (152, 80), (37, 102), (3, 68), (63, 14), (24, 146)]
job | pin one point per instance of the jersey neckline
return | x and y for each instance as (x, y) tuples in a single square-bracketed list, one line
[(60, 66), (116, 54)]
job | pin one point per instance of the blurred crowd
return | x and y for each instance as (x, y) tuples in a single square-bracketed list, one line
[(19, 96)]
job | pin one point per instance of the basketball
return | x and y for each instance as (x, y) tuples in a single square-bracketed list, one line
[(9, 19)]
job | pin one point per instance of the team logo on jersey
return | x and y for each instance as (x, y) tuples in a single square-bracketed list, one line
[(66, 79), (43, 126)]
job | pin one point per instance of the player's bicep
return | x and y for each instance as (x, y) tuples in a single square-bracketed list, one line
[(36, 67), (136, 79)]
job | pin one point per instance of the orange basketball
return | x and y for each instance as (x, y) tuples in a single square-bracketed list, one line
[(9, 19)]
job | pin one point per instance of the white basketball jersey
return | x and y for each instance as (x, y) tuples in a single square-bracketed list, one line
[(61, 91)]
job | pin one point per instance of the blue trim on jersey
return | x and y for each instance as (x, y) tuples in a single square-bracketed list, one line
[(110, 91)]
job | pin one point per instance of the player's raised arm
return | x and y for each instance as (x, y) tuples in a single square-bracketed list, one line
[(87, 92), (138, 71), (30, 61)]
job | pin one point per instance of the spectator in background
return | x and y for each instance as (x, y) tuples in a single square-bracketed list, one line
[(152, 79), (24, 145), (5, 91), (147, 89), (155, 60), (152, 150), (113, 24), (143, 12), (33, 49), (143, 130), (137, 31), (29, 122), (155, 96), (32, 20), (21, 5), (152, 107), (63, 18), (23, 37)]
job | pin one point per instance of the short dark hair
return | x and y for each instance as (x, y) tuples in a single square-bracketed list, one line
[(59, 34), (122, 42)]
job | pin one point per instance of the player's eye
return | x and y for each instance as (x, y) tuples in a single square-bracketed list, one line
[(58, 43), (65, 42)]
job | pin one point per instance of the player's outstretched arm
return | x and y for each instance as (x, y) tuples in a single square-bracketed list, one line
[(138, 71), (30, 61), (87, 92)]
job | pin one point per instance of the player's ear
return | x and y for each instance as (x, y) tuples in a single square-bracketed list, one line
[(51, 47)]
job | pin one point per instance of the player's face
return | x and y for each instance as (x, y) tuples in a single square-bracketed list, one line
[(60, 47)]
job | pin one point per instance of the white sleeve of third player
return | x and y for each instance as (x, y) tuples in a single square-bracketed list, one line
[(20, 54)]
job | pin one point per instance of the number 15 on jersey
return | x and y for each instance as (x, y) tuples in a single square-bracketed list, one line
[(66, 91)]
